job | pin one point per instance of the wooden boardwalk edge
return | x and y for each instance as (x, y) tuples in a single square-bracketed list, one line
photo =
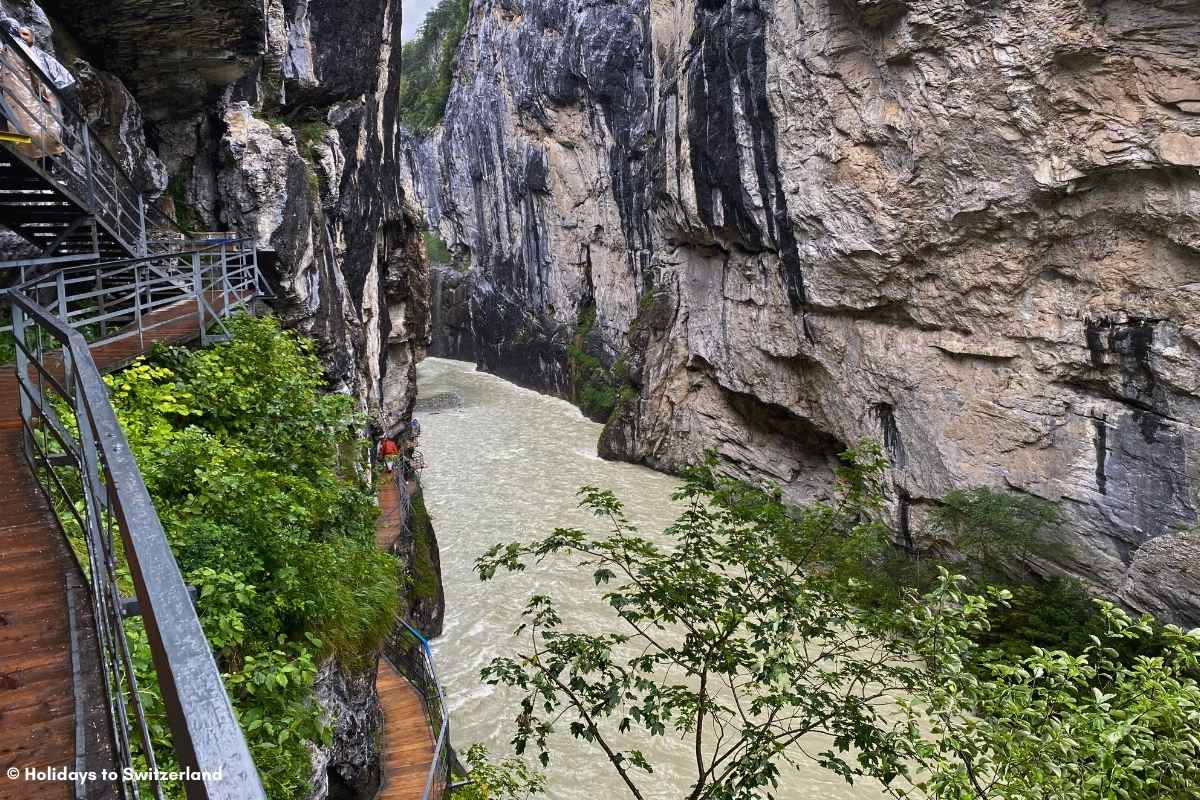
[(407, 753)]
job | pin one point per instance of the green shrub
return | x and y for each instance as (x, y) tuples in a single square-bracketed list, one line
[(309, 134), (987, 527), (425, 575), (991, 527), (507, 778), (238, 445), (597, 401), (593, 388), (435, 248)]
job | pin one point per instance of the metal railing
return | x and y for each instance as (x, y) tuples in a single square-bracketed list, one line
[(83, 168), (415, 662), (75, 444), (119, 298)]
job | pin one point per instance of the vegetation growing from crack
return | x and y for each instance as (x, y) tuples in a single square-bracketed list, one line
[(185, 216), (628, 393), (425, 575), (436, 248), (594, 388), (987, 535)]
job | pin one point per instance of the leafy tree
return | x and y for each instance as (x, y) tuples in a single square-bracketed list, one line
[(1090, 726), (505, 779), (427, 64), (720, 638), (991, 527), (741, 635)]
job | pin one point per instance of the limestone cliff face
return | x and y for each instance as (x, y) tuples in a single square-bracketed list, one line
[(273, 119), (969, 231)]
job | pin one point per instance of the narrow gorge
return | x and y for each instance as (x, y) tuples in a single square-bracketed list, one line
[(775, 229), (798, 281)]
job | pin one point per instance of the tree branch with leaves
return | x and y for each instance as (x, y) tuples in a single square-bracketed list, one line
[(738, 632)]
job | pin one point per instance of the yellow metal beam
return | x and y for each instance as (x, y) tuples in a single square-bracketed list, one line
[(15, 138)]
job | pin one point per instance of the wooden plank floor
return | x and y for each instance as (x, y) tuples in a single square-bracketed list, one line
[(407, 740), (37, 704), (391, 515)]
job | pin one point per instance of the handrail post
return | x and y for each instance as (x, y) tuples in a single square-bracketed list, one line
[(101, 303), (224, 279), (91, 171), (197, 290), (143, 244), (22, 366), (61, 285), (254, 261), (137, 304)]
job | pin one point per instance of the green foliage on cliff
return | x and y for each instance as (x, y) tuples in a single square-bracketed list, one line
[(238, 446), (435, 248), (593, 388), (185, 215), (741, 635), (309, 134), (427, 65), (991, 527), (425, 576), (989, 532)]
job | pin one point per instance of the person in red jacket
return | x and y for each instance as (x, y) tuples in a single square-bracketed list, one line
[(388, 452)]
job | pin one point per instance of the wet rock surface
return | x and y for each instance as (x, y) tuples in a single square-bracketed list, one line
[(350, 767), (442, 401), (970, 232)]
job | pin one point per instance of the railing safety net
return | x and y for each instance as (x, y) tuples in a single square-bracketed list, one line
[(75, 443)]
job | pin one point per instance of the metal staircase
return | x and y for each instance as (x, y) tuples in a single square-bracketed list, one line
[(60, 188)]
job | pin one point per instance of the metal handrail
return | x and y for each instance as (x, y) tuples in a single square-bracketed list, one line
[(422, 674), (208, 741), (88, 172), (202, 246), (117, 294)]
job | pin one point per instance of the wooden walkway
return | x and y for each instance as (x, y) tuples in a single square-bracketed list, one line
[(407, 753), (37, 699), (37, 693)]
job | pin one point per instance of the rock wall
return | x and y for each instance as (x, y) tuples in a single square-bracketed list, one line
[(415, 546), (274, 119), (349, 768), (969, 231)]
